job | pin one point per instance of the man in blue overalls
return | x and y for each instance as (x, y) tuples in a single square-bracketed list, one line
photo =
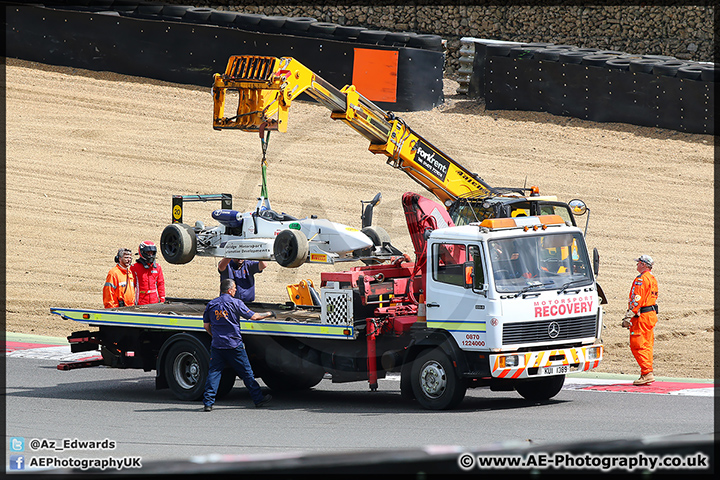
[(221, 320), (243, 273)]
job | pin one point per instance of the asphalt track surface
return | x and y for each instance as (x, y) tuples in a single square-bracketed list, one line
[(151, 426)]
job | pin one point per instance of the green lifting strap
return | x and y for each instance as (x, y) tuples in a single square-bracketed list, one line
[(263, 163)]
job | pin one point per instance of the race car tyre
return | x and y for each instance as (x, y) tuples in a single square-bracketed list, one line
[(541, 389), (178, 243), (378, 235), (186, 367), (435, 383), (290, 248), (282, 382)]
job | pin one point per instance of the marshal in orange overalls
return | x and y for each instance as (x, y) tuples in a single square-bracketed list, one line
[(643, 299)]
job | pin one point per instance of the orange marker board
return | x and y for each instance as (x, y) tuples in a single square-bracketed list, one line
[(375, 74)]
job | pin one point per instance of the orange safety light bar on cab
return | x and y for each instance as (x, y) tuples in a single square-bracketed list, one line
[(495, 223), (551, 220), (518, 222)]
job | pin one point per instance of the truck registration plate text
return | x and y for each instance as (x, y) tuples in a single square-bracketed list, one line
[(560, 369)]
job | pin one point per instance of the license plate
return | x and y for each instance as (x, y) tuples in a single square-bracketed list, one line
[(559, 370)]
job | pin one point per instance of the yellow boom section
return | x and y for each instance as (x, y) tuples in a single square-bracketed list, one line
[(266, 87)]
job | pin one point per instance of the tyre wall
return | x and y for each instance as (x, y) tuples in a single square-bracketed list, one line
[(595, 85), (680, 29), (188, 45)]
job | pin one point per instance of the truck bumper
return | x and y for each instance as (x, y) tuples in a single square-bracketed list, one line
[(514, 365)]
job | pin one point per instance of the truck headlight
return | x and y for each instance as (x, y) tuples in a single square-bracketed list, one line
[(594, 353), (509, 361)]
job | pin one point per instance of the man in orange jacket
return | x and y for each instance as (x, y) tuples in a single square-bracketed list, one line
[(641, 318), (118, 290)]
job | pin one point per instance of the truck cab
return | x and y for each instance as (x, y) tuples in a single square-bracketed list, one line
[(520, 289)]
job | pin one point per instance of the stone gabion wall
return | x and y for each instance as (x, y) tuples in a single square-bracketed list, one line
[(685, 31)]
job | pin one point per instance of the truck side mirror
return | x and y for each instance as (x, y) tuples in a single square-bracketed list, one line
[(469, 274), (577, 207), (596, 261)]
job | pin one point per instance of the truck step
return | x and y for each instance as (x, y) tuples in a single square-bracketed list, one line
[(79, 364)]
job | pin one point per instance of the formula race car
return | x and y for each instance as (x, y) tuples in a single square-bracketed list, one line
[(265, 234)]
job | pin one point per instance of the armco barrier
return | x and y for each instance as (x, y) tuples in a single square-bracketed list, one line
[(188, 45), (593, 85)]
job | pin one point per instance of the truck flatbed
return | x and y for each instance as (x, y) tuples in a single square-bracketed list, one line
[(186, 314)]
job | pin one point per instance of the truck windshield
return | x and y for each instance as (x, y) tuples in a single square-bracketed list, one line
[(541, 262)]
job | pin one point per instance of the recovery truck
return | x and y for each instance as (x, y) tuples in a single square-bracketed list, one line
[(506, 303), (502, 295)]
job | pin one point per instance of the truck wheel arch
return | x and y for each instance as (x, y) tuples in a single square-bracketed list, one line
[(441, 339)]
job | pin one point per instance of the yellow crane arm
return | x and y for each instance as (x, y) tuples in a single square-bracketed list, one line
[(266, 87)]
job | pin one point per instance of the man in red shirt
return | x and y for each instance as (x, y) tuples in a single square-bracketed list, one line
[(641, 318), (148, 275)]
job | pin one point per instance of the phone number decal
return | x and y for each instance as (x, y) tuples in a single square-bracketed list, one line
[(473, 340)]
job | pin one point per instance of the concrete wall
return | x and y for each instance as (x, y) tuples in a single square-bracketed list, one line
[(682, 31)]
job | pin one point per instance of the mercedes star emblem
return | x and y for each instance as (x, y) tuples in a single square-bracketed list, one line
[(554, 329)]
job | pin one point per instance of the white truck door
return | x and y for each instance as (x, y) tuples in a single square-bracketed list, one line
[(451, 306)]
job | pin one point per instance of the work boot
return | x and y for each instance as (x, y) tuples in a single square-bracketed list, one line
[(645, 379), (264, 401)]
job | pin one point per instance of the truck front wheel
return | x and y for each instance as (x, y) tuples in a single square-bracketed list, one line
[(186, 368), (542, 388), (434, 382)]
